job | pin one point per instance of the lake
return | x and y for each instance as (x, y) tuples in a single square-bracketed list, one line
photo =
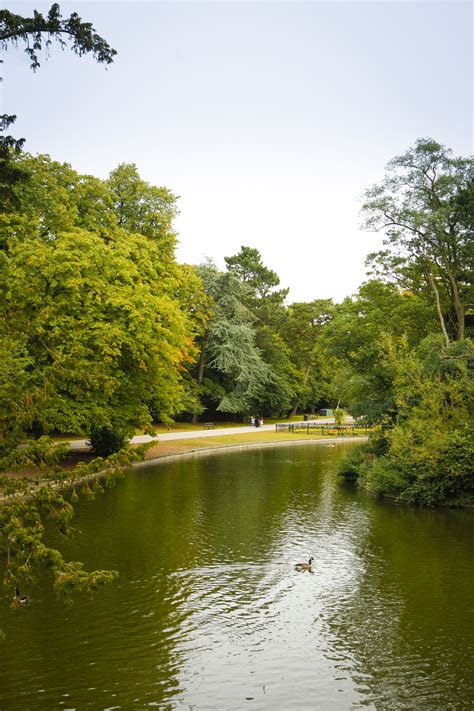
[(210, 613)]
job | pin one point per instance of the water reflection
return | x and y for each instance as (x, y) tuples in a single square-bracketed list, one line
[(209, 612)]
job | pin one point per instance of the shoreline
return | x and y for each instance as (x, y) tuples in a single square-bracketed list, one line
[(156, 458), (247, 445)]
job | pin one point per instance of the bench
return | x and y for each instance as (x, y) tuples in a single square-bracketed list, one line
[(209, 426)]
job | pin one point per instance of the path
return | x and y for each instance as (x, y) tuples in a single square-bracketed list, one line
[(194, 434)]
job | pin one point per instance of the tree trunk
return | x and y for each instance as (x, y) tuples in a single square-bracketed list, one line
[(458, 305), (306, 377), (438, 306), (200, 374)]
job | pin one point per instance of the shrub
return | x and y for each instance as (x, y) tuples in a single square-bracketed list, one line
[(349, 466), (105, 441)]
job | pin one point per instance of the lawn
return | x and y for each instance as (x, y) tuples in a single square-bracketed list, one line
[(163, 449)]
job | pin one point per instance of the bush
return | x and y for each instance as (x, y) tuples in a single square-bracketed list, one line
[(339, 416), (349, 466), (452, 478), (105, 441)]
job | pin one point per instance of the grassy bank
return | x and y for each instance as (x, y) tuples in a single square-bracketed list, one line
[(164, 449), (185, 446)]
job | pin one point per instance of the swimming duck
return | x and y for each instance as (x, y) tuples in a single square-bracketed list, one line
[(22, 599), (305, 566)]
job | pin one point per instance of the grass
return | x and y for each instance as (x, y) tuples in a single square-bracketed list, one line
[(164, 449), (175, 447)]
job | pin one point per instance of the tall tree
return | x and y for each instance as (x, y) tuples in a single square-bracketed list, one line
[(266, 303), (231, 369), (262, 296), (91, 310), (301, 331), (143, 208), (355, 341), (429, 240)]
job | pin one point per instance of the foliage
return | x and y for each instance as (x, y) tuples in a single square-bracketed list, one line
[(143, 208), (427, 456), (423, 207), (41, 30), (37, 32), (248, 267), (339, 416), (246, 363), (266, 304), (26, 507), (105, 441), (232, 369), (349, 465), (301, 332), (91, 312), (355, 340)]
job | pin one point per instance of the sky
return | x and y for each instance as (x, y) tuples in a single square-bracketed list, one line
[(268, 119)]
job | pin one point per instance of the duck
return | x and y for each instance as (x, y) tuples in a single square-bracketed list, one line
[(22, 599), (305, 566)]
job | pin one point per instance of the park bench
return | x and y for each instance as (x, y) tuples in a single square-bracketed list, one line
[(209, 426)]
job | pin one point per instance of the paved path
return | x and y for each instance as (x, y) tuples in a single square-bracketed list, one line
[(194, 434)]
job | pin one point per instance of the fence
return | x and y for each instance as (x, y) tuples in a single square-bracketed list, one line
[(325, 428)]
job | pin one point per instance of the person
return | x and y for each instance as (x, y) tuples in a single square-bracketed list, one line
[(252, 421), (257, 422)]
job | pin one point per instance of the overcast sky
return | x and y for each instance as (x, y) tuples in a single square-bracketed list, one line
[(268, 119)]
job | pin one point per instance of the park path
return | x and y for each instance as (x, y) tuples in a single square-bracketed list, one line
[(194, 434)]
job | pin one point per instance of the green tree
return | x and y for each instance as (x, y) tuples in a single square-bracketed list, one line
[(427, 456), (423, 207), (26, 508), (102, 335), (266, 304), (231, 371), (97, 326), (92, 309), (40, 31), (354, 338), (263, 299), (301, 331), (143, 208)]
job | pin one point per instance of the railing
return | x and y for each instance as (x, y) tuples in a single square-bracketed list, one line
[(325, 428)]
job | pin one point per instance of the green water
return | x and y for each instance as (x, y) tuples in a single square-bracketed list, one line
[(209, 612)]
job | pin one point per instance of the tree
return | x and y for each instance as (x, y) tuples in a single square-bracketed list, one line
[(25, 507), (262, 298), (301, 331), (92, 313), (423, 207), (143, 208), (97, 328), (36, 33), (231, 370), (248, 267), (354, 341), (426, 458), (266, 304), (101, 334)]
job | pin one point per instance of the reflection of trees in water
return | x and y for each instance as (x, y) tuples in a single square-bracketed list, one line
[(261, 516), (396, 635), (206, 549)]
